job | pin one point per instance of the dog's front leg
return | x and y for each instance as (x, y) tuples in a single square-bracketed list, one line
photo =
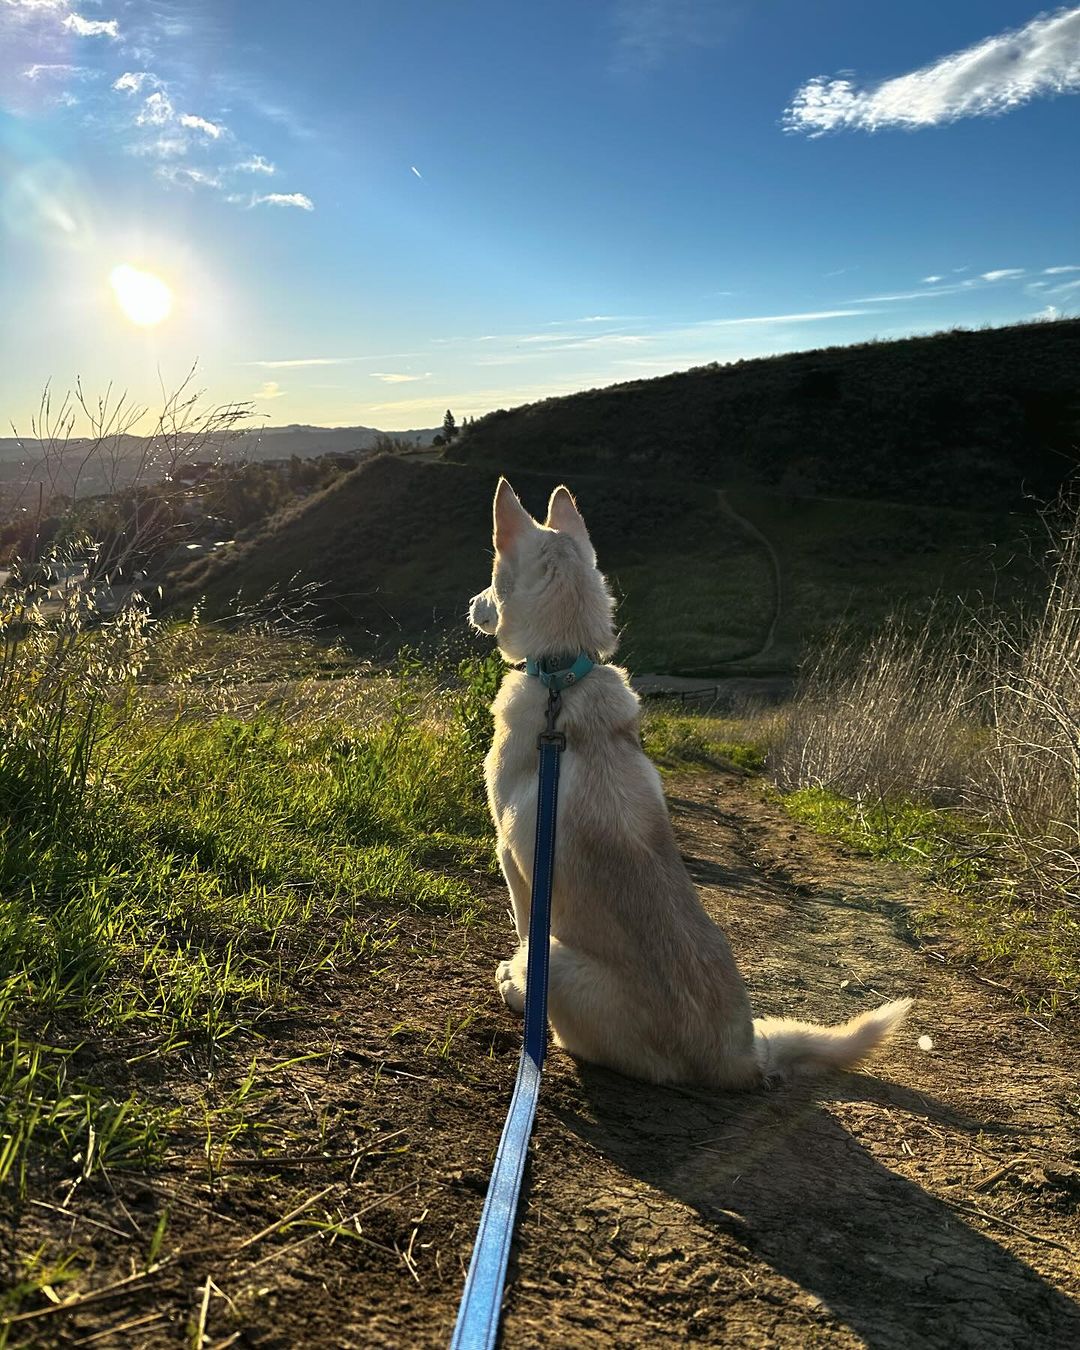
[(520, 892), (510, 975), (510, 979)]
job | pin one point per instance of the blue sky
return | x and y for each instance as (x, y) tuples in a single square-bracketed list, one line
[(368, 212)]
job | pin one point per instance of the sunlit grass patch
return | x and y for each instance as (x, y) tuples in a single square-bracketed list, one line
[(977, 902), (679, 740), (171, 875)]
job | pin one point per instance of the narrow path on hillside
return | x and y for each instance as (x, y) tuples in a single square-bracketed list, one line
[(933, 1201), (752, 530)]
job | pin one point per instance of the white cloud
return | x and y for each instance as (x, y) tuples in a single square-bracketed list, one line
[(161, 147), (1000, 273), (285, 199), (953, 289), (156, 111), (214, 130), (92, 27), (256, 164), (183, 176), (330, 360), (560, 343), (133, 80), (993, 76), (270, 389), (812, 317), (57, 69), (932, 281), (1057, 271), (416, 171), (393, 378)]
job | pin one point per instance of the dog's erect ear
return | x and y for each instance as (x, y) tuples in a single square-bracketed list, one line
[(563, 515), (511, 518)]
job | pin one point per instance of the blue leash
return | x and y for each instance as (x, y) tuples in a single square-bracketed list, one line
[(478, 1316)]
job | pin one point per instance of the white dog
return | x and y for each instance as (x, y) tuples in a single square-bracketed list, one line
[(641, 979)]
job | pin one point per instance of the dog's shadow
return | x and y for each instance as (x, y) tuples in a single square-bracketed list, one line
[(786, 1180)]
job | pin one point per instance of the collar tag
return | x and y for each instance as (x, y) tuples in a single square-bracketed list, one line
[(559, 673)]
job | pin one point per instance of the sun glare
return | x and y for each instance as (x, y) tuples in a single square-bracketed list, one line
[(143, 297)]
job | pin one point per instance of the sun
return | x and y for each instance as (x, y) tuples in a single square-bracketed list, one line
[(143, 297)]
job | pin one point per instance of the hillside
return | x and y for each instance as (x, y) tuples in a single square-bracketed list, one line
[(396, 549), (965, 419)]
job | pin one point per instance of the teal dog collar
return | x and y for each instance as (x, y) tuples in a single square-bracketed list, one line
[(558, 673)]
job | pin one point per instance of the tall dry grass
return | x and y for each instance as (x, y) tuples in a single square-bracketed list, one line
[(896, 716), (974, 723), (1031, 779)]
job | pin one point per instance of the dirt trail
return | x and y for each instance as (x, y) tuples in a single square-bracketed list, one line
[(860, 1213), (748, 527), (934, 1201)]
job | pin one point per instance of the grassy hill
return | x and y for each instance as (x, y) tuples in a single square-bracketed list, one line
[(965, 419), (739, 511), (396, 549)]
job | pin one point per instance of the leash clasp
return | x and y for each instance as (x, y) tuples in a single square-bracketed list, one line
[(549, 736)]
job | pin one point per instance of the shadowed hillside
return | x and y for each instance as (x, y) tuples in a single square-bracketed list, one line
[(966, 419), (396, 550)]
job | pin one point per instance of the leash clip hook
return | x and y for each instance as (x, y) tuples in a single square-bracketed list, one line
[(550, 736)]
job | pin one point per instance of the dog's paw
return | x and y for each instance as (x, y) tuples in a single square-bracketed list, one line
[(512, 996)]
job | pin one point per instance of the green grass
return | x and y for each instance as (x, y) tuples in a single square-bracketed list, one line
[(165, 882), (680, 740), (974, 903), (854, 563)]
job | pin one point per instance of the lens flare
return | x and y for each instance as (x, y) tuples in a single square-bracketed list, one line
[(143, 297)]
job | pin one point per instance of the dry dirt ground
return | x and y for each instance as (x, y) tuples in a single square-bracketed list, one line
[(932, 1201)]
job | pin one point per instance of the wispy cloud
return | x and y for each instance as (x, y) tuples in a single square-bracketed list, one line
[(308, 361), (939, 292), (256, 164), (156, 111), (331, 360), (284, 199), (184, 175), (271, 389), (1057, 271), (145, 110), (649, 32), (75, 23), (393, 377), (58, 70), (1000, 273), (815, 316), (132, 81), (416, 171), (932, 281), (214, 130), (993, 76)]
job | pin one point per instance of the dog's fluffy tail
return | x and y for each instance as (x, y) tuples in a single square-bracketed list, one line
[(783, 1046)]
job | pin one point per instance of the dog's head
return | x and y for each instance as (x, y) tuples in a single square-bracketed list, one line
[(546, 597)]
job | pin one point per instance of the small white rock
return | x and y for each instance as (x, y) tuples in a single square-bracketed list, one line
[(925, 1043)]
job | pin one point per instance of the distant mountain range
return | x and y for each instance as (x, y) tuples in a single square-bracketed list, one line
[(260, 443)]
